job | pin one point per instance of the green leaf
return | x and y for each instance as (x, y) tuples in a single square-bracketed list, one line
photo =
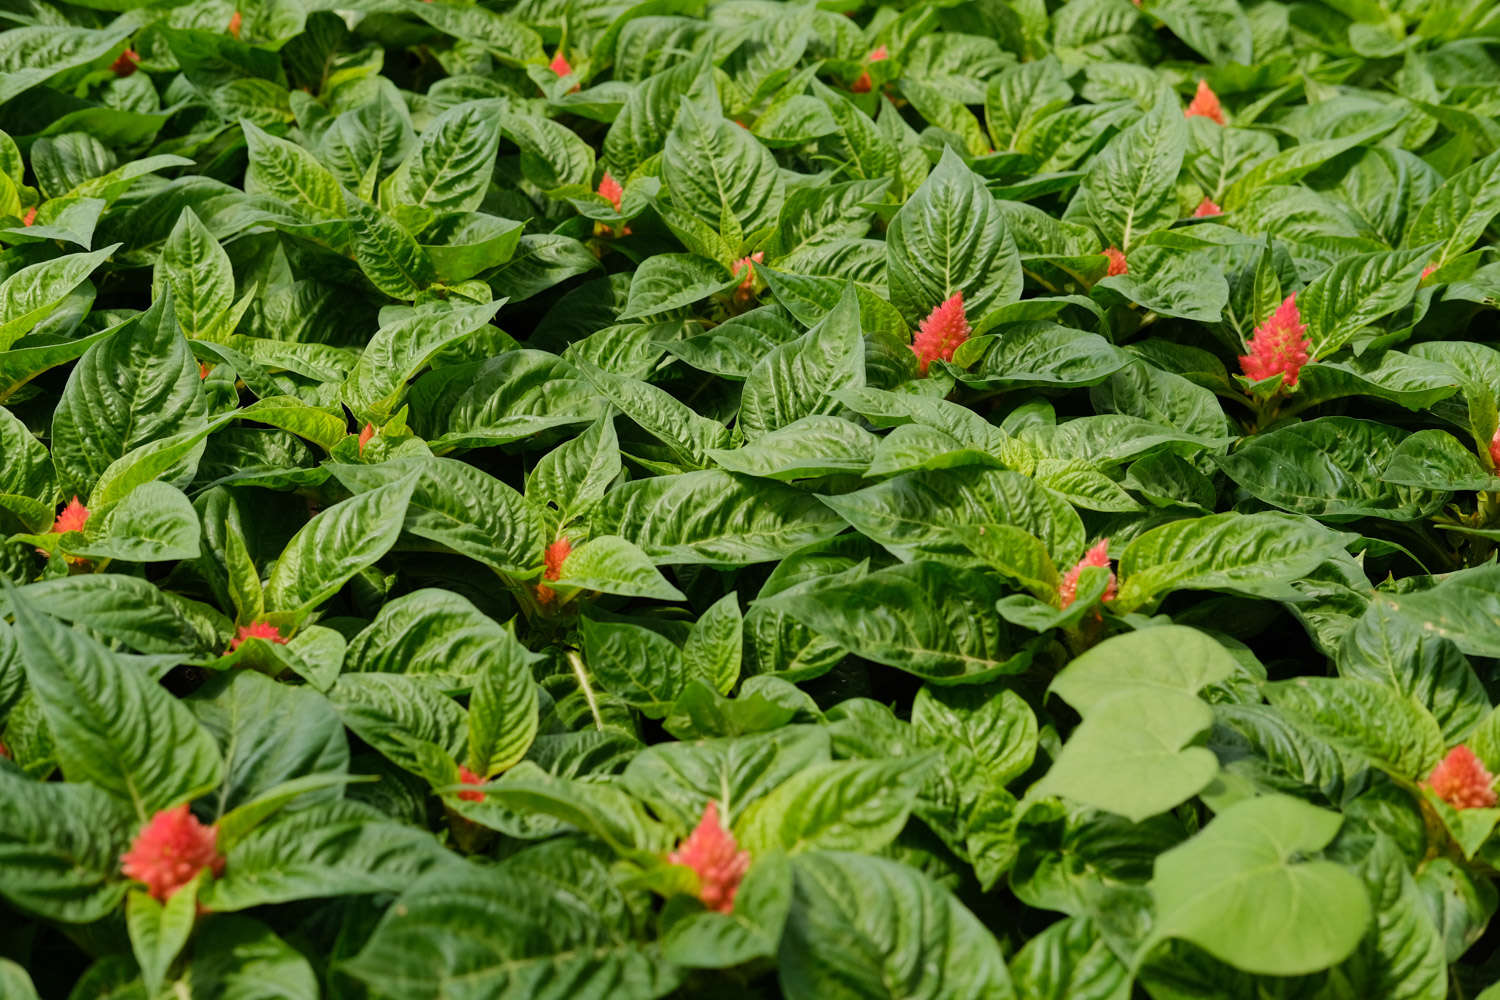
[(387, 253), (390, 712), (506, 934), (809, 447), (1129, 189), (1329, 467), (1244, 890), (798, 379), (850, 934), (837, 806), (201, 277), (715, 645), (928, 619), (450, 169), (335, 545), (323, 849), (611, 565), (714, 518), (636, 664), (1463, 607), (950, 237), (60, 845), (1131, 755), (292, 174), (1259, 554), (403, 347), (456, 505), (1458, 213), (503, 717), (1370, 720), (31, 294), (158, 931), (235, 956), (718, 172), (1389, 649), (136, 387), (113, 725), (669, 281), (270, 733), (1355, 292)]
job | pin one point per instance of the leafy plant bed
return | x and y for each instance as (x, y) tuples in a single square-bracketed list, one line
[(749, 500)]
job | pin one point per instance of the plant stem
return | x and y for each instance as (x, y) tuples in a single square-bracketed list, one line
[(581, 672)]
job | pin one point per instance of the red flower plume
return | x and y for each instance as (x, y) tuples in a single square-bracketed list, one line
[(170, 850), (941, 332), (1280, 345), (1205, 104), (710, 851), (1462, 781), (1067, 589)]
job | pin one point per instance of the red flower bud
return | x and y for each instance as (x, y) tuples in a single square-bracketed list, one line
[(711, 852), (170, 850), (1205, 104), (1067, 589)]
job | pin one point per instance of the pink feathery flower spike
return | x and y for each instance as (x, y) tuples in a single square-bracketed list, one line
[(1462, 781), (170, 850), (1279, 346), (1427, 271), (1495, 449), (747, 265), (256, 630), (711, 851), (29, 217), (1205, 104), (126, 63), (234, 24), (468, 777), (73, 517), (610, 189), (1067, 589), (365, 435), (1207, 209), (560, 64), (941, 332), (1116, 262), (878, 54), (552, 562)]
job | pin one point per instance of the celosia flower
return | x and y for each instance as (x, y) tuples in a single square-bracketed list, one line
[(1067, 589), (552, 564), (29, 217), (1495, 449), (610, 189), (560, 64), (1427, 271), (468, 777), (710, 851), (73, 517), (170, 850), (126, 63), (939, 335), (1116, 262), (747, 265), (234, 24), (862, 83), (878, 54), (256, 630), (1206, 208), (5, 751), (1279, 346), (1205, 104), (365, 435), (204, 368), (1462, 781)]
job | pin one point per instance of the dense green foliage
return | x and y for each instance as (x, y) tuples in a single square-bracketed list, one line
[(456, 449)]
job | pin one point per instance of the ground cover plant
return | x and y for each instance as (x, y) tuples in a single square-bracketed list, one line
[(749, 499)]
